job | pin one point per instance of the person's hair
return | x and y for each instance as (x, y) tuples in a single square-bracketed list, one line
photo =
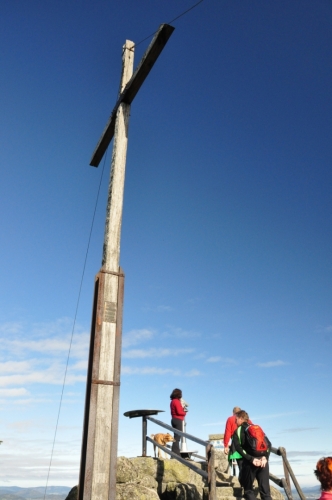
[(243, 414), (176, 394), (236, 409), (323, 473)]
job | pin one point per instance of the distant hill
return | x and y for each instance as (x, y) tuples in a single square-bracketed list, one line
[(311, 493), (10, 496), (37, 493)]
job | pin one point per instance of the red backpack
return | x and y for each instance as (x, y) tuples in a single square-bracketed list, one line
[(256, 440)]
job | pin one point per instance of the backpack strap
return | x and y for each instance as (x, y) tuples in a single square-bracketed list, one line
[(238, 432), (235, 455)]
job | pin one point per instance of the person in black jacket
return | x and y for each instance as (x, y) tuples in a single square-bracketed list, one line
[(253, 467)]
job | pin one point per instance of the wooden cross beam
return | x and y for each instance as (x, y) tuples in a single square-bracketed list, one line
[(127, 96)]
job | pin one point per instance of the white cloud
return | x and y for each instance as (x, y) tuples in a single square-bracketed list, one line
[(298, 429), (14, 366), (271, 364), (29, 401), (51, 346), (22, 426), (53, 374), (27, 462), (229, 361), (155, 353), (128, 370), (202, 355), (257, 418), (225, 361), (306, 453), (277, 415), (135, 337), (161, 308), (80, 365), (59, 327), (40, 377), (214, 423), (151, 370), (180, 333), (324, 329), (193, 373), (194, 300), (11, 328), (37, 354), (13, 393), (213, 359)]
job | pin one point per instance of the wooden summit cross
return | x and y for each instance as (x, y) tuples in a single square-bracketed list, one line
[(97, 478)]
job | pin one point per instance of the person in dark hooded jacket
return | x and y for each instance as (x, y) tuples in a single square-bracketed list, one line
[(253, 467)]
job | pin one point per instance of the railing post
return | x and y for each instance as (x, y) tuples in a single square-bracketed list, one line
[(210, 456), (287, 478), (144, 433), (290, 470), (287, 489)]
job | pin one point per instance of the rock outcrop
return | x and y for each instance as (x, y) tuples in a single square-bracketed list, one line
[(147, 478), (167, 478)]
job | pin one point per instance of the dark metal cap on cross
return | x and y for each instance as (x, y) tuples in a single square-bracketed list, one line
[(129, 92)]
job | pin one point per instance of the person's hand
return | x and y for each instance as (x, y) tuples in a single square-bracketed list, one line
[(257, 462), (263, 461), (226, 450)]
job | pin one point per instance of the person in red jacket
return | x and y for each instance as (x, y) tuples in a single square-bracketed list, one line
[(178, 414), (230, 428)]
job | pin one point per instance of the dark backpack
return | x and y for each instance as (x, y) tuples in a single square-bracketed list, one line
[(257, 443)]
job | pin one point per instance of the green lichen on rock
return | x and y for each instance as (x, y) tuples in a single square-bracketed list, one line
[(174, 471), (145, 466), (132, 491), (149, 482), (126, 471), (142, 471)]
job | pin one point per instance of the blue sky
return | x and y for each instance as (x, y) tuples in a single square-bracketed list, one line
[(226, 235)]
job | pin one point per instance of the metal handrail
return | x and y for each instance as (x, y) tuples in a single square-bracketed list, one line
[(181, 433), (210, 475)]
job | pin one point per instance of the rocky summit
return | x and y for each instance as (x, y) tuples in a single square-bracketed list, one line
[(147, 478)]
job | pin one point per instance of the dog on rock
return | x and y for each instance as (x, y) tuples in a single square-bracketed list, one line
[(162, 439)]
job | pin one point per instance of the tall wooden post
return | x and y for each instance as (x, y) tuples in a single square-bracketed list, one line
[(100, 434)]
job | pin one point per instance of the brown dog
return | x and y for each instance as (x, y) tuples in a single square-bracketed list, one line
[(162, 439)]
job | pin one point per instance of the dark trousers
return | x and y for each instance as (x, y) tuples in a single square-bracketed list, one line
[(239, 464), (249, 473), (177, 424)]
